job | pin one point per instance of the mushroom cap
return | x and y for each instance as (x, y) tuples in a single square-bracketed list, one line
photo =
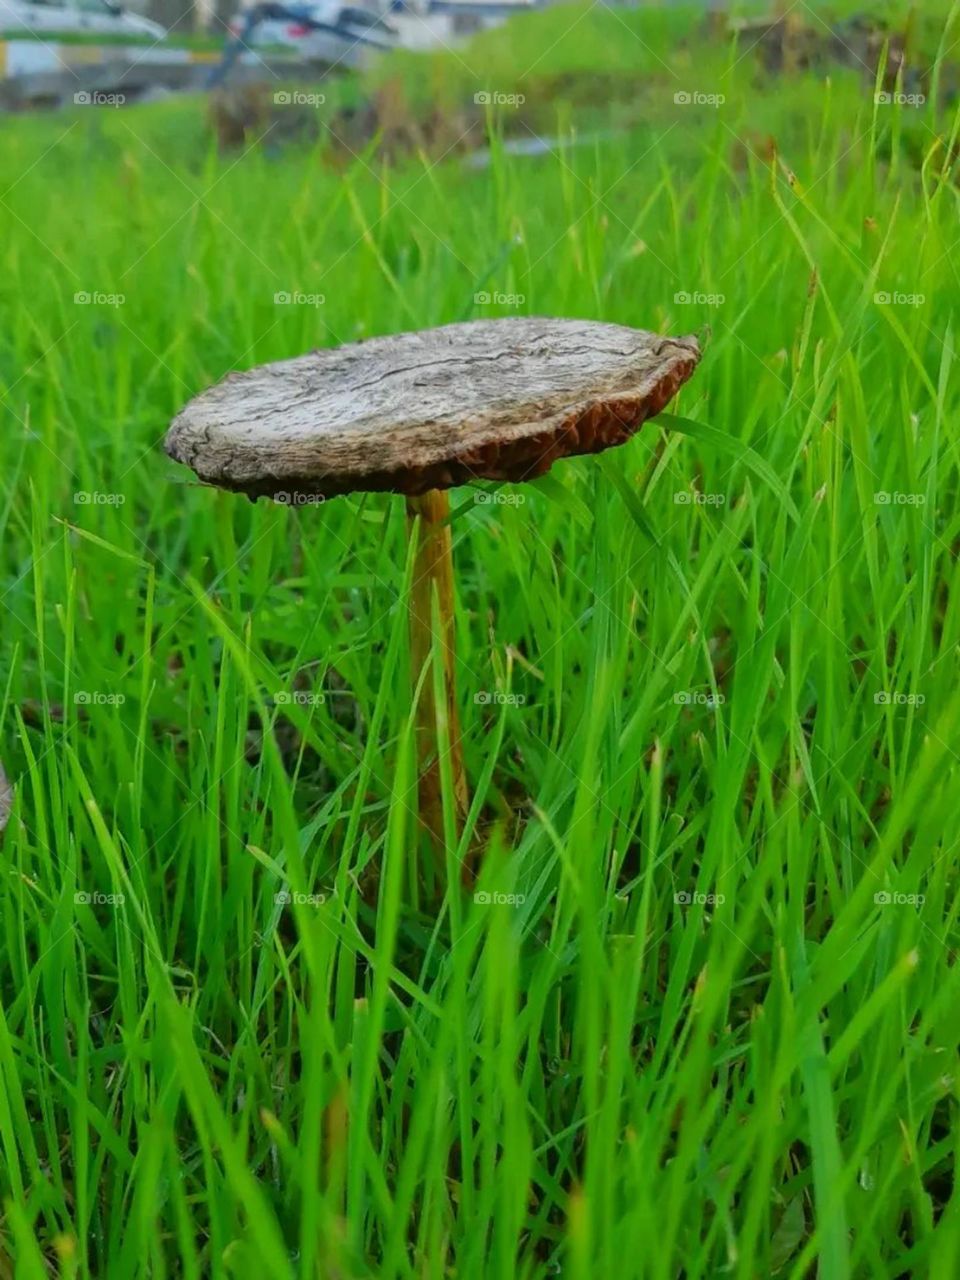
[(484, 400)]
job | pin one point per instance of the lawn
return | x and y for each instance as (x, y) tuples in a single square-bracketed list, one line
[(700, 1015)]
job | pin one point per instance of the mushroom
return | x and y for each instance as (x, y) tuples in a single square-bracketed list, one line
[(417, 414)]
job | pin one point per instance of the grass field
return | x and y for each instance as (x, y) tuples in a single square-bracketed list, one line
[(708, 1021)]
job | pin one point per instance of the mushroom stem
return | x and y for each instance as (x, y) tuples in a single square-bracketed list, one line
[(433, 568)]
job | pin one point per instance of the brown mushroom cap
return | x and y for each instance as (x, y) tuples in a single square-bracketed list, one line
[(485, 400)]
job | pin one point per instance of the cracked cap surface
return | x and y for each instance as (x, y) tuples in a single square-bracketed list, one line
[(483, 400)]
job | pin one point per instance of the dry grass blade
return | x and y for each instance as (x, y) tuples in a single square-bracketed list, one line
[(6, 799)]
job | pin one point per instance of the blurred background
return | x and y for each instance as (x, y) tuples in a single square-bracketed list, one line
[(149, 47)]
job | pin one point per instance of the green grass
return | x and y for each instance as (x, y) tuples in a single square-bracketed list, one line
[(603, 1078), (107, 38)]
